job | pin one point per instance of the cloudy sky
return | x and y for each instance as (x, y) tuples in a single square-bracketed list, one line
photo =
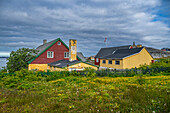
[(25, 23)]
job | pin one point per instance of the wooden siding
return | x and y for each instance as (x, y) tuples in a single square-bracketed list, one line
[(120, 66), (58, 54), (138, 59), (97, 63), (40, 67)]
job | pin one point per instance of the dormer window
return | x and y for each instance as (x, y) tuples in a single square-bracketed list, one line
[(59, 43), (50, 54)]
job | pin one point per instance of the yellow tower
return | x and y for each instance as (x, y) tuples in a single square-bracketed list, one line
[(72, 50)]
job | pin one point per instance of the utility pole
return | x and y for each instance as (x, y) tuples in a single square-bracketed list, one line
[(105, 41)]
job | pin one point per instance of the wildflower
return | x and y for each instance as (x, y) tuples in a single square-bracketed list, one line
[(72, 106), (59, 94), (153, 111), (98, 110)]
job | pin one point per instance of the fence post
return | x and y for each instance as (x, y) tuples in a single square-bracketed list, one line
[(135, 70)]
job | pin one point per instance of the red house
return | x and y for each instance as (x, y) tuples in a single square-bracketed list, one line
[(50, 52)]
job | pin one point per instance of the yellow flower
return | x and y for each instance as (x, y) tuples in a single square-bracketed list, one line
[(59, 94)]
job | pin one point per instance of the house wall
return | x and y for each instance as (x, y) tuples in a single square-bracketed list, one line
[(58, 54), (51, 68), (40, 67), (97, 63), (82, 65), (113, 65), (137, 59)]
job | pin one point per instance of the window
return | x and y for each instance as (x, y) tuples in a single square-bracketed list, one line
[(66, 54), (110, 62), (59, 43), (97, 60), (50, 54), (104, 62), (117, 62)]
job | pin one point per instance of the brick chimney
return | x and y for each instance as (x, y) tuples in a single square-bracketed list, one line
[(72, 50), (44, 41)]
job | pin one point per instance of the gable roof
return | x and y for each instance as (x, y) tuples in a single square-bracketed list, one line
[(122, 53), (80, 55), (44, 47), (64, 63), (108, 51)]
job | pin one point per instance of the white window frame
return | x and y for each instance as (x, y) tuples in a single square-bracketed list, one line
[(66, 54), (51, 54), (58, 43), (97, 60)]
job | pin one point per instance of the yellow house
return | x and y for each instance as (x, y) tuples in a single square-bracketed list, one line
[(126, 58)]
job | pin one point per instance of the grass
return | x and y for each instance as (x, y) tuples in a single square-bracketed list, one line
[(88, 94)]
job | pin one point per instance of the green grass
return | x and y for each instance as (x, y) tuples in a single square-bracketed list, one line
[(88, 94)]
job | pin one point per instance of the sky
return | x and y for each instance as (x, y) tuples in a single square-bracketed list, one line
[(25, 23)]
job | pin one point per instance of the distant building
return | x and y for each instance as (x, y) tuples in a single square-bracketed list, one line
[(81, 56), (156, 53), (166, 49)]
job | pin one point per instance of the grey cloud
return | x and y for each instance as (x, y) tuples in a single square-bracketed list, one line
[(87, 21)]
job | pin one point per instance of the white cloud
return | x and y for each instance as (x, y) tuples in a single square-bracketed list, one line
[(4, 54)]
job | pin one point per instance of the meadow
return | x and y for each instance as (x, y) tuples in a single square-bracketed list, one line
[(28, 92), (141, 90)]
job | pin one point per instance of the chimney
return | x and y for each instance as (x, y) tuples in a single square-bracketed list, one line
[(44, 41), (72, 50)]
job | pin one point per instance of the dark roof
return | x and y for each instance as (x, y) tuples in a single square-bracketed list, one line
[(109, 51), (63, 63), (81, 56), (44, 46), (153, 50), (122, 53)]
